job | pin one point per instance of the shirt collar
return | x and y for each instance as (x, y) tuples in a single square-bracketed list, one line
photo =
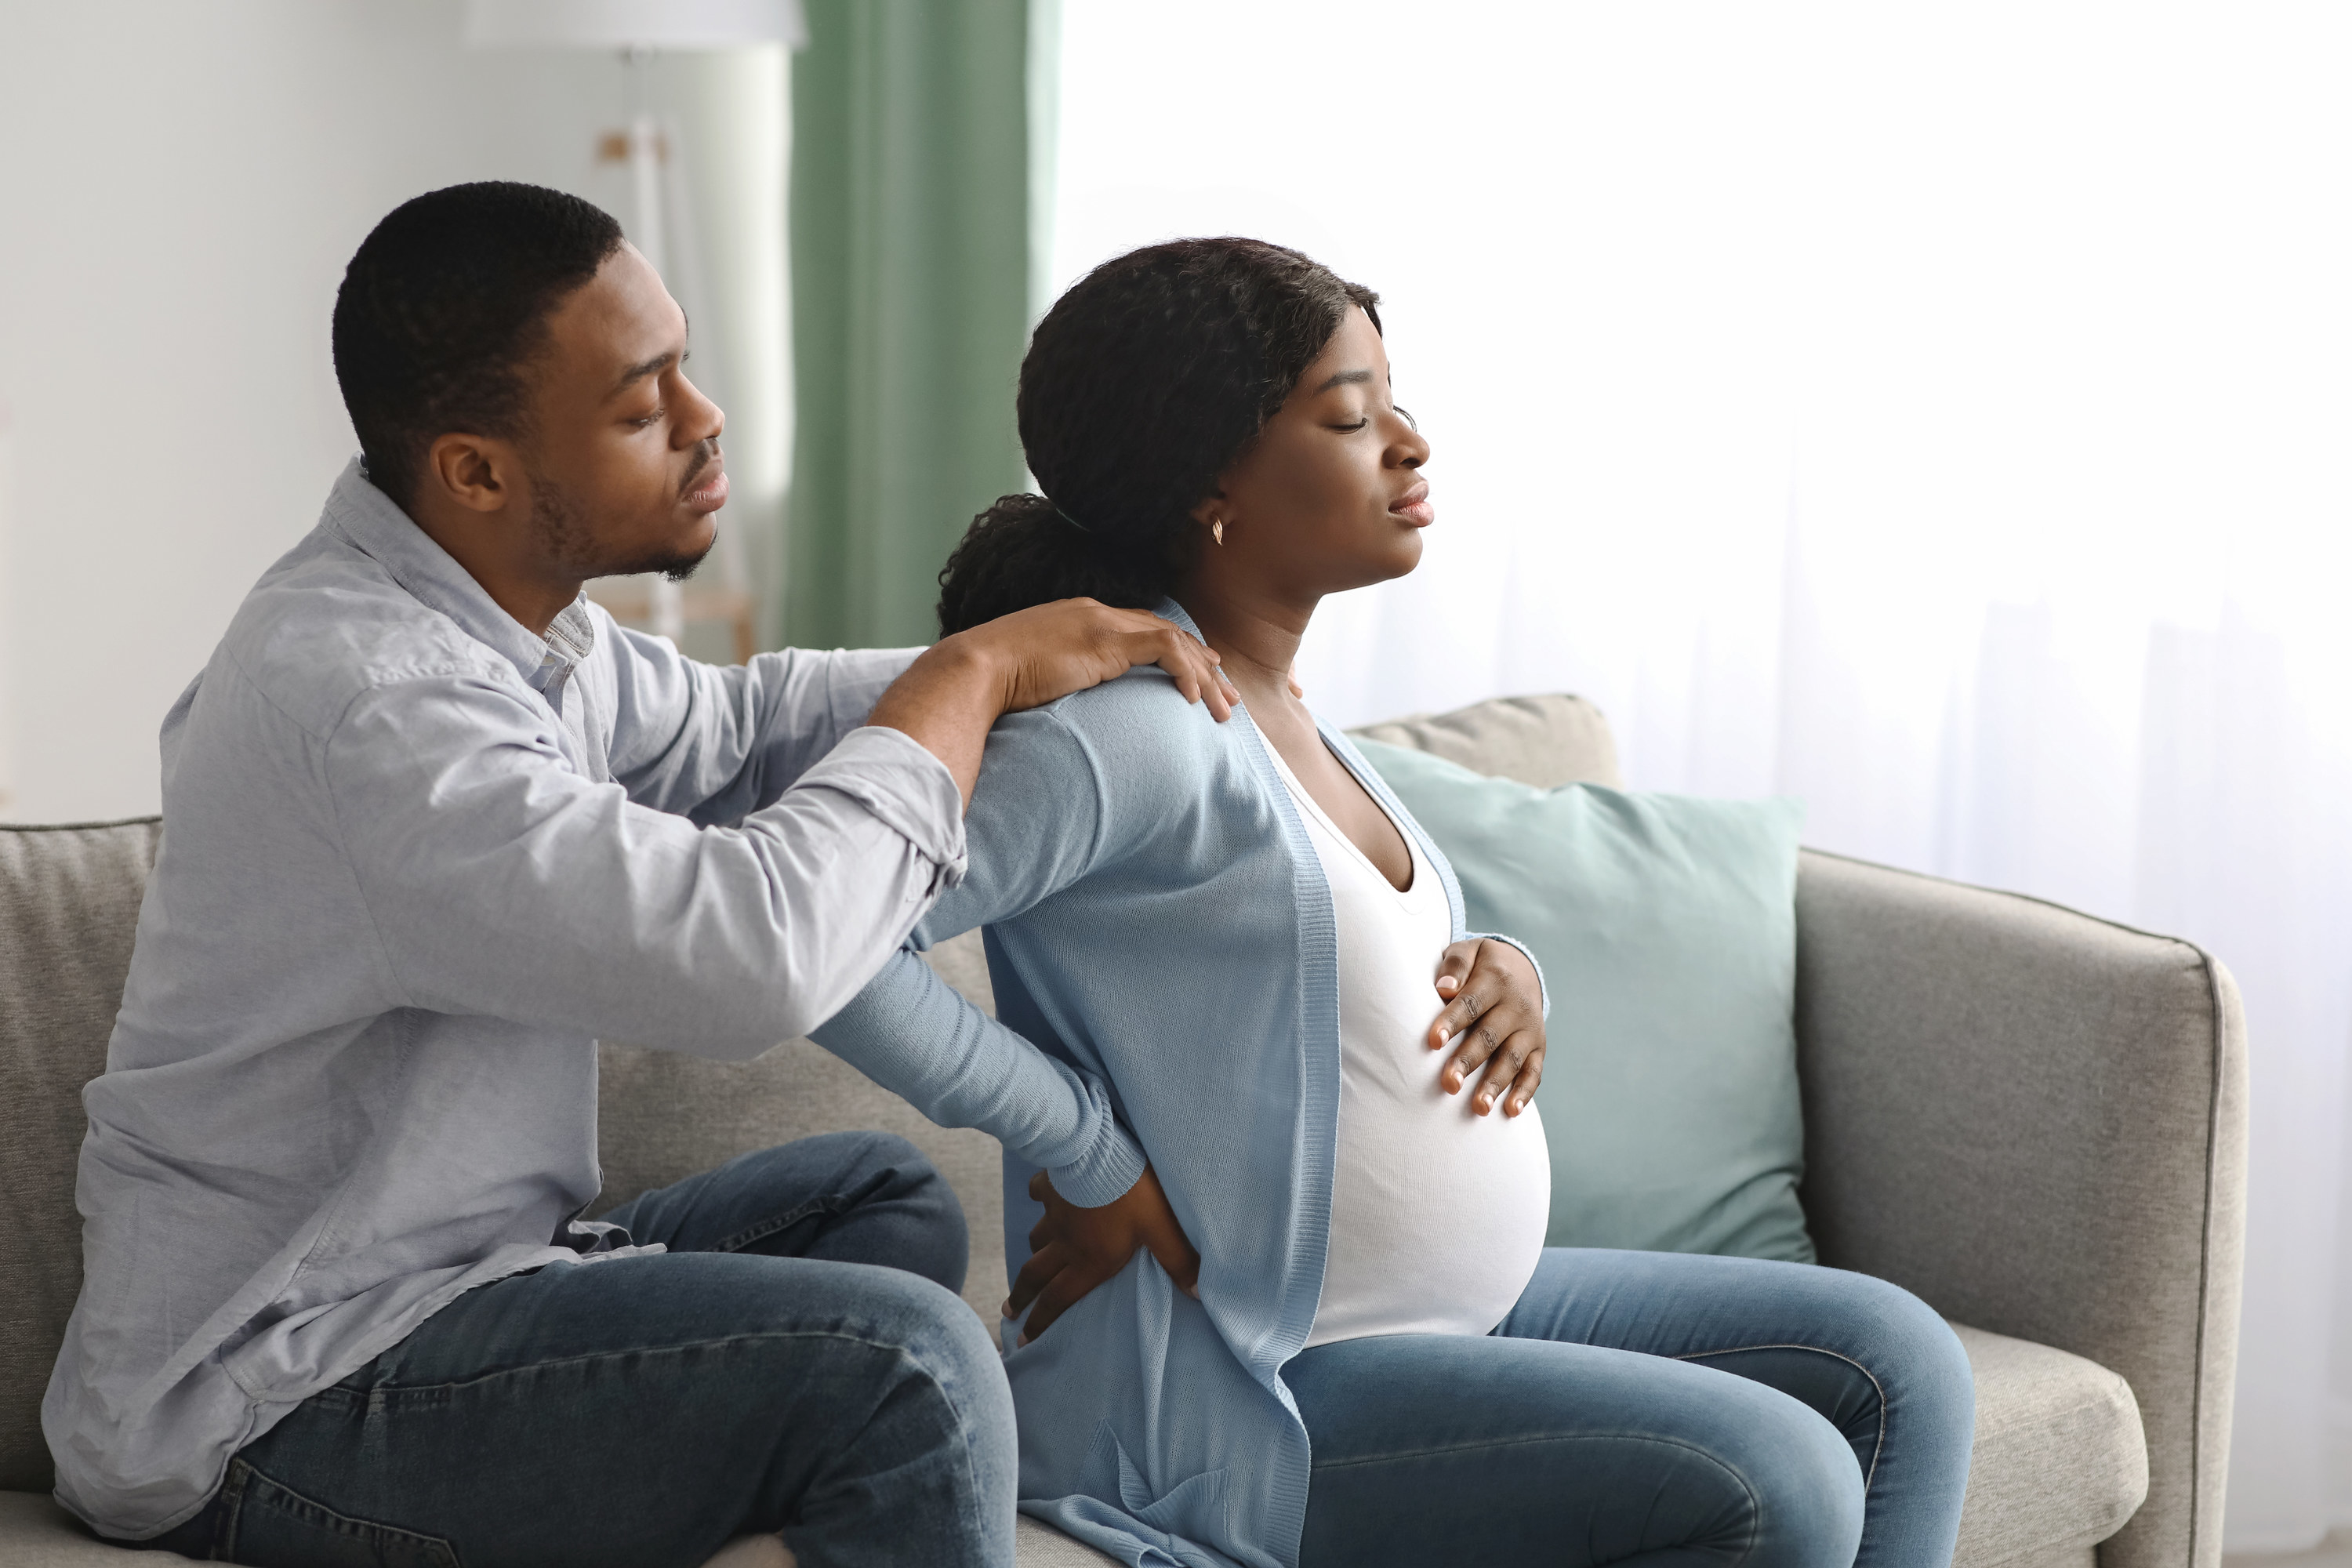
[(373, 524)]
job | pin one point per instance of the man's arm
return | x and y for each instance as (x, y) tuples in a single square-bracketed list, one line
[(715, 745), (499, 881)]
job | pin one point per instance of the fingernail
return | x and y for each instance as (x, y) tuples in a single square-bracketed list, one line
[(1005, 1312)]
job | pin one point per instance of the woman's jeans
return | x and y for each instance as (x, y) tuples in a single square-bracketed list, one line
[(1647, 1408), (763, 1375)]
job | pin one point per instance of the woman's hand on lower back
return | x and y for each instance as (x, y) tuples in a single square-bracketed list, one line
[(1072, 1250), (1493, 1014)]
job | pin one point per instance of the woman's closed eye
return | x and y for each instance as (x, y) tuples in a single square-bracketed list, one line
[(1364, 421)]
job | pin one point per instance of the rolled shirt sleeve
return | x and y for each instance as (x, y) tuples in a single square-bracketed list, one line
[(714, 744)]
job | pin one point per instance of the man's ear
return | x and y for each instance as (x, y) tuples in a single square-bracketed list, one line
[(480, 473)]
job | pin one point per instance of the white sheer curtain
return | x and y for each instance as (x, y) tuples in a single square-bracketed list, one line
[(1941, 415)]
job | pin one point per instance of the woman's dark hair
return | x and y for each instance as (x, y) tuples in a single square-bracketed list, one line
[(1143, 383)]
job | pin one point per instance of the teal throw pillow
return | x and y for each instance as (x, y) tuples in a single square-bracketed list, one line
[(1667, 931)]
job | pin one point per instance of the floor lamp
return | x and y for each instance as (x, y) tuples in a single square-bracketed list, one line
[(661, 226)]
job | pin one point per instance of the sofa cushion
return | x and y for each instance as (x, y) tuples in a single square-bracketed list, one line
[(36, 1534), (1544, 741), (1669, 1097), (68, 904), (2060, 1462)]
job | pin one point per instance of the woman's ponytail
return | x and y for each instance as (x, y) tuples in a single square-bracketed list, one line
[(1025, 551)]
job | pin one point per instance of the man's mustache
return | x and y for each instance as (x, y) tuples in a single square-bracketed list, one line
[(703, 453)]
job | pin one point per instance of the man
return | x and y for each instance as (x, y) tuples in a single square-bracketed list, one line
[(433, 823)]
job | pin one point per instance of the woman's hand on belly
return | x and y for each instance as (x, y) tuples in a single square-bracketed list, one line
[(1074, 1249), (1494, 1013)]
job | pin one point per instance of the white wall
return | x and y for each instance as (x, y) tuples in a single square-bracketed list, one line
[(184, 186)]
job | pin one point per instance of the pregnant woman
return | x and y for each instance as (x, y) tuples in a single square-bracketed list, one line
[(1243, 933)]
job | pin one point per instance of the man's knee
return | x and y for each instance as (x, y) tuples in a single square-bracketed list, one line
[(956, 1353), (947, 1401)]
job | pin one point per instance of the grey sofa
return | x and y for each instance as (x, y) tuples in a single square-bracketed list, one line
[(2034, 1119)]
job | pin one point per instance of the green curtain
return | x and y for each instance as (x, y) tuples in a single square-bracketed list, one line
[(910, 225)]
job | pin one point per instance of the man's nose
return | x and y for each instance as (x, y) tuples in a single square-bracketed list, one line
[(699, 419)]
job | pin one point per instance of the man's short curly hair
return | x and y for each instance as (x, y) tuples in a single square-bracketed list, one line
[(442, 307)]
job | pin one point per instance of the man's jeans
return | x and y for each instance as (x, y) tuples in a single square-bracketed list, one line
[(1647, 1408), (763, 1375)]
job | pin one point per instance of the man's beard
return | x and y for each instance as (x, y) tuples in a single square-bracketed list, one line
[(562, 527)]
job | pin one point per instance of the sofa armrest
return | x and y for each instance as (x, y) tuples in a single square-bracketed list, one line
[(2036, 1121)]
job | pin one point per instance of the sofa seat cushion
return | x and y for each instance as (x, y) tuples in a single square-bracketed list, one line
[(2060, 1460), (1039, 1545), (35, 1532)]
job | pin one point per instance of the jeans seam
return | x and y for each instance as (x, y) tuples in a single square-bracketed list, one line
[(1877, 1447), (225, 1528), (774, 1223), (592, 1356), (1754, 1505), (383, 1528)]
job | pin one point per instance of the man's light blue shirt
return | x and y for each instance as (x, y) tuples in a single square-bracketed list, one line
[(416, 860)]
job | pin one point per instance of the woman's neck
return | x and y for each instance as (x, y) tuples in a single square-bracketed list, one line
[(1257, 638)]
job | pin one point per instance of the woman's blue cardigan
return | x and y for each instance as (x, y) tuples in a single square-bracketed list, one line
[(1157, 919)]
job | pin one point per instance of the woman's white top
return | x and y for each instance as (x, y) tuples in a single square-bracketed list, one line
[(1437, 1214)]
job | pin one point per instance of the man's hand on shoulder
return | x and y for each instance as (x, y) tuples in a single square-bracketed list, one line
[(961, 685)]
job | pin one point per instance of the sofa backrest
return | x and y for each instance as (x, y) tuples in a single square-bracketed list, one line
[(68, 904), (1545, 740)]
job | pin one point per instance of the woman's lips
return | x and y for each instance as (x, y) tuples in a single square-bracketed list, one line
[(709, 493), (1415, 507)]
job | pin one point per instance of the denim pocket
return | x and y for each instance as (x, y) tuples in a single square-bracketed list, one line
[(273, 1526)]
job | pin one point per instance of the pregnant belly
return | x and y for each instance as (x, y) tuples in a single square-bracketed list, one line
[(1437, 1215)]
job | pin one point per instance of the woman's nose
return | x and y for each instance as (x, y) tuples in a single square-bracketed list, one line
[(1413, 450)]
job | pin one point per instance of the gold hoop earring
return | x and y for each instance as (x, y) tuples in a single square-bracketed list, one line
[(1217, 530)]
